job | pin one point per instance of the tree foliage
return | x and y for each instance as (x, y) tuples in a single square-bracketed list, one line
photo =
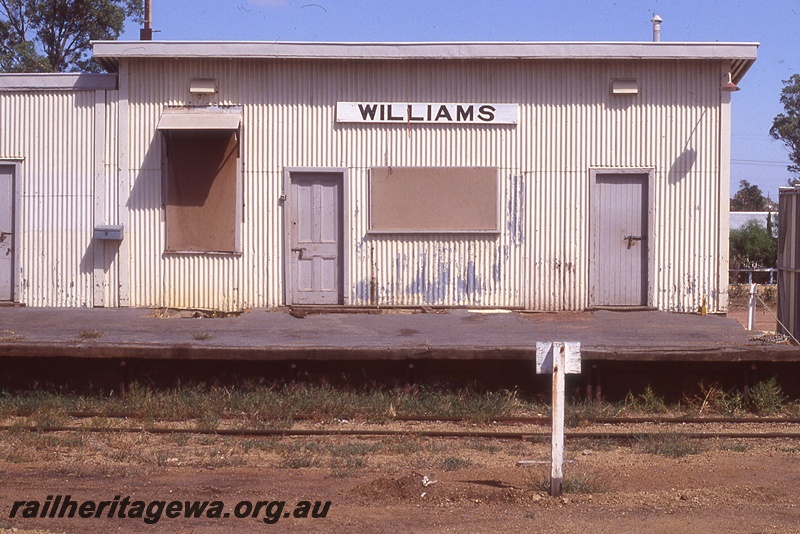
[(786, 126), (753, 246), (750, 198), (55, 35)]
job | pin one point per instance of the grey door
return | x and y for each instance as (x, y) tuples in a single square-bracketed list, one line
[(315, 238), (6, 232), (618, 273)]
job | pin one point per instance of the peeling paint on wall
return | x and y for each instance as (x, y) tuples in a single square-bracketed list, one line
[(420, 282), (362, 290), (515, 209), (469, 286)]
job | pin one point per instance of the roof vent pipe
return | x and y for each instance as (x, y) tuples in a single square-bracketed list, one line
[(656, 20)]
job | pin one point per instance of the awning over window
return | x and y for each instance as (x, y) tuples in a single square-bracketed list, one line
[(200, 119)]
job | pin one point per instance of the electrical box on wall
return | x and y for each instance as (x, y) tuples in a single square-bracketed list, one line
[(108, 232)]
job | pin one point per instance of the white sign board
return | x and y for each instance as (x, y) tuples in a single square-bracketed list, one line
[(428, 113), (544, 356)]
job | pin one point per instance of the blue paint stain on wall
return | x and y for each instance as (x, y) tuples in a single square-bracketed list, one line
[(439, 289), (469, 286), (419, 284), (500, 258), (515, 209), (496, 273), (400, 265), (362, 290), (473, 282)]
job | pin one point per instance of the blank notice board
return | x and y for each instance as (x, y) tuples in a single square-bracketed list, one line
[(434, 199)]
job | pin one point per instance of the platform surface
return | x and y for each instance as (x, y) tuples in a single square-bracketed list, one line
[(261, 334)]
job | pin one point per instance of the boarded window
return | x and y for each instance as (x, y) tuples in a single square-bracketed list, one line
[(434, 199), (201, 190)]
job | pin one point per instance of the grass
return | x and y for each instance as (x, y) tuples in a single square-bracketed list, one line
[(348, 457), (736, 446), (277, 405), (581, 483), (646, 402), (767, 398), (202, 336), (713, 399), (454, 463), (670, 445), (269, 404)]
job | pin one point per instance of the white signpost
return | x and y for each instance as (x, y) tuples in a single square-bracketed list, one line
[(558, 358)]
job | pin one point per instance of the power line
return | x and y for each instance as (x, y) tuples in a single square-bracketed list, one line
[(764, 163)]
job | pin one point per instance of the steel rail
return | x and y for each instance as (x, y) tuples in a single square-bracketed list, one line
[(504, 420), (414, 433)]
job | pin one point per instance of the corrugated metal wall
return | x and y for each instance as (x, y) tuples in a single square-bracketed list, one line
[(569, 124), (789, 261), (53, 133)]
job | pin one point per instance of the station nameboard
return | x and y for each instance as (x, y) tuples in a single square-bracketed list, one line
[(431, 113)]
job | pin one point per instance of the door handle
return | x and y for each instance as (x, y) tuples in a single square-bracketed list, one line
[(300, 250), (632, 238)]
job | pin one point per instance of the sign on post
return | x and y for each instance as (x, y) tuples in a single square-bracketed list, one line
[(558, 358)]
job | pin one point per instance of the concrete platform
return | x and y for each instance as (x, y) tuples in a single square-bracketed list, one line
[(377, 335)]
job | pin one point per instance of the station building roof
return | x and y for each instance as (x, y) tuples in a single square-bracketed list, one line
[(741, 55)]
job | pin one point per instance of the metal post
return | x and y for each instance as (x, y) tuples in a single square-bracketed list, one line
[(751, 311)]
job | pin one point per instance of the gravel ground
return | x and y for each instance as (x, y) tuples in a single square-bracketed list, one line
[(377, 484)]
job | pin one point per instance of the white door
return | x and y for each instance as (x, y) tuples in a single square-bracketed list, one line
[(618, 270), (315, 238), (6, 232)]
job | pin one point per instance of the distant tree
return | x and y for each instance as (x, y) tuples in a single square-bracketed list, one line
[(750, 198), (753, 247), (786, 126), (772, 224), (54, 35)]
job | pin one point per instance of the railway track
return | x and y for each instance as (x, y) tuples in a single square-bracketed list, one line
[(531, 436), (499, 420), (662, 425)]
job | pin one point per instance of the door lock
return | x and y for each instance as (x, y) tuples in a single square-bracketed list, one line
[(631, 238), (300, 250)]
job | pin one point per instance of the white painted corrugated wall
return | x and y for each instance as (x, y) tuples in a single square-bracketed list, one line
[(569, 124), (53, 134)]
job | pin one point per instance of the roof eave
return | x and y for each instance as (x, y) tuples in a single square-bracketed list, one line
[(108, 53)]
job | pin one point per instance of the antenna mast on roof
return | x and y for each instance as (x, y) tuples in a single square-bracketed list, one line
[(146, 33)]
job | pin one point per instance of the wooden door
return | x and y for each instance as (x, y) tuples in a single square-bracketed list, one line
[(619, 235), (315, 238)]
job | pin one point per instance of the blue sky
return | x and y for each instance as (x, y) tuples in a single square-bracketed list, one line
[(773, 23)]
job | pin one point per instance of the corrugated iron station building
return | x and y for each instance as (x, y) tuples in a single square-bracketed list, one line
[(231, 175)]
